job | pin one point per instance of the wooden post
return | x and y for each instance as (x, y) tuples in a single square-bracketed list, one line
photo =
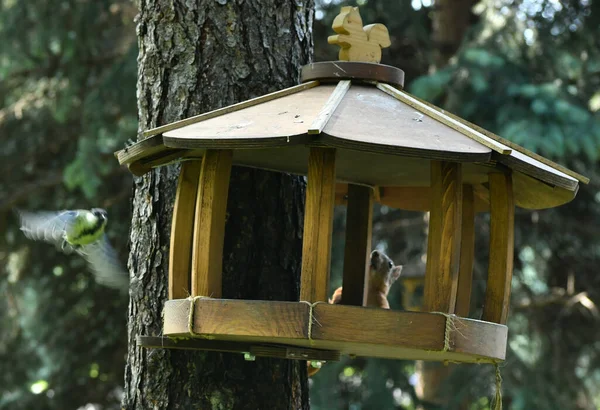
[(180, 254), (443, 245), (318, 225), (502, 212), (209, 226), (359, 220), (467, 253)]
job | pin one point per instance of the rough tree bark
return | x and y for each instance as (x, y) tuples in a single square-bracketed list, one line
[(196, 56)]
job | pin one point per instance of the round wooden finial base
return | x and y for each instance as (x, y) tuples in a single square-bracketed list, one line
[(352, 70)]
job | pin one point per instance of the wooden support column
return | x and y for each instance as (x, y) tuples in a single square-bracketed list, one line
[(182, 227), (318, 225), (467, 253), (443, 244), (209, 226), (359, 220), (502, 215)]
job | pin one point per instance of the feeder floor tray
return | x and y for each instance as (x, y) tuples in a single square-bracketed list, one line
[(258, 350), (350, 330)]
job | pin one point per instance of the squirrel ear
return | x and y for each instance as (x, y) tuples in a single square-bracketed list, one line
[(396, 272)]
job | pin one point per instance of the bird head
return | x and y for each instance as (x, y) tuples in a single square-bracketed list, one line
[(100, 214)]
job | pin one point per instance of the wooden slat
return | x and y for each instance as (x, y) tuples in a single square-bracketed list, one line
[(209, 226), (443, 247), (318, 225), (325, 114), (238, 319), (359, 220), (467, 253), (231, 108), (502, 215), (182, 228), (389, 126), (370, 332), (445, 119)]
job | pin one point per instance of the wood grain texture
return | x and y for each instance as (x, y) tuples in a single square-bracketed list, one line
[(444, 119), (325, 114), (369, 120), (272, 123), (358, 43), (209, 225), (238, 319), (334, 71), (318, 225), (467, 253), (140, 149), (359, 221), (521, 162), (443, 245), (230, 108), (182, 228), (502, 222), (383, 333), (531, 193)]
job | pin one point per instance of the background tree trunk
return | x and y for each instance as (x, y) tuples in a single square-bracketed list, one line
[(197, 56), (451, 19)]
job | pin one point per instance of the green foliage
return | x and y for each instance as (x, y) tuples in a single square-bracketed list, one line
[(67, 101)]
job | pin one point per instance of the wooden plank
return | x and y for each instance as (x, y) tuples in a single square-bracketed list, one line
[(467, 253), (352, 70), (237, 319), (359, 220), (531, 193), (502, 222), (325, 114), (521, 162), (382, 332), (445, 119), (443, 245), (140, 149), (274, 123), (209, 225), (182, 228), (510, 144), (318, 225), (369, 120), (231, 108)]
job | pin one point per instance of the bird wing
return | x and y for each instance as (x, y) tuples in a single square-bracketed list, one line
[(105, 265), (49, 226)]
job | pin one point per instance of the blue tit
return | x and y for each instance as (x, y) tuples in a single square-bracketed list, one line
[(81, 231)]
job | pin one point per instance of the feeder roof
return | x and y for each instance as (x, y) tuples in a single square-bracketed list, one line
[(384, 137)]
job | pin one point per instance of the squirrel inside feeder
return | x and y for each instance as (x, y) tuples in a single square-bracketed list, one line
[(382, 274)]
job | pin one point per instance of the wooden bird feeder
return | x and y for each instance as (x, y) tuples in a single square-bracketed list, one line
[(360, 139)]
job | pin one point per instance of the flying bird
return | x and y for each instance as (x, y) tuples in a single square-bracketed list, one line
[(82, 231)]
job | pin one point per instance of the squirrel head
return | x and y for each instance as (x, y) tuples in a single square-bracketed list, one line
[(382, 271), (348, 21)]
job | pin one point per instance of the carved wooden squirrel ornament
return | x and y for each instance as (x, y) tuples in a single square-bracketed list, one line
[(358, 43), (382, 275)]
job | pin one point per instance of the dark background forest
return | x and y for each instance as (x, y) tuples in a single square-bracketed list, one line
[(527, 70)]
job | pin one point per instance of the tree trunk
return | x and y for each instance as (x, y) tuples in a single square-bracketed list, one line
[(194, 57), (451, 19)]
